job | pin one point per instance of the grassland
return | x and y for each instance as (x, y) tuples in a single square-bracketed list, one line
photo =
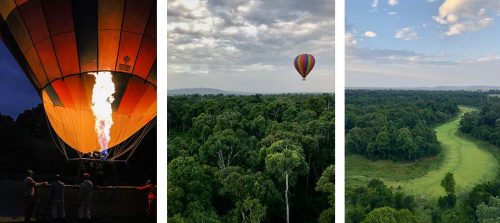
[(469, 161)]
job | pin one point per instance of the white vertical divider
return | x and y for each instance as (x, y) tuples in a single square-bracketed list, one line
[(339, 111), (161, 64)]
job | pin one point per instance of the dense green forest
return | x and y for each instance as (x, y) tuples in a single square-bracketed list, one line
[(484, 124), (399, 126), (26, 143), (396, 125), (229, 158)]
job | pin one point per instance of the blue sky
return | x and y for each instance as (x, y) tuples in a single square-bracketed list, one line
[(16, 92), (409, 43)]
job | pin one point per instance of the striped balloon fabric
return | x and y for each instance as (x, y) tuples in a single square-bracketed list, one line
[(304, 63), (59, 42)]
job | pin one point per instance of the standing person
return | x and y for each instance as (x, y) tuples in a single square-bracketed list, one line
[(85, 198), (151, 188), (56, 199), (29, 194)]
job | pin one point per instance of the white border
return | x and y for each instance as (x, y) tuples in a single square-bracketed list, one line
[(339, 111), (161, 126)]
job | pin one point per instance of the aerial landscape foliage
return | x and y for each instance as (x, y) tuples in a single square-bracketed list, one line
[(232, 158), (422, 156)]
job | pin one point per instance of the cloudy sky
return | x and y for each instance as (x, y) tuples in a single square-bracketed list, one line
[(243, 45), (407, 43), (16, 92)]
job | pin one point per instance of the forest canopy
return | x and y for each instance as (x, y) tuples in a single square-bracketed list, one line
[(398, 125), (230, 158)]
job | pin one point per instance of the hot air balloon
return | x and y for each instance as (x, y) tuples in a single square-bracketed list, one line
[(304, 63), (60, 43)]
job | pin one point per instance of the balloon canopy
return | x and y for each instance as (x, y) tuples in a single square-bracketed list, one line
[(59, 42), (304, 63)]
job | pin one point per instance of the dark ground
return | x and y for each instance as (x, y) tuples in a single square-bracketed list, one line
[(109, 204)]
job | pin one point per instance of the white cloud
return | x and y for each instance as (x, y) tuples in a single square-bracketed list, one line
[(370, 34), (406, 33), (350, 39), (389, 56), (482, 71), (392, 13), (392, 2), (374, 3), (466, 15)]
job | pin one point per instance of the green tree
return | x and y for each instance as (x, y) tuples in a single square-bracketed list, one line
[(448, 183), (189, 189), (251, 211), (285, 161), (222, 148), (489, 212), (448, 201), (326, 184), (389, 215), (374, 195)]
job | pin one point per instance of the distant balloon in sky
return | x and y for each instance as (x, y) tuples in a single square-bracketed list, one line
[(304, 63)]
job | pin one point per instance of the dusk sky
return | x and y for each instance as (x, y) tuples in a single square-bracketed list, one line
[(250, 45), (426, 43), (16, 92)]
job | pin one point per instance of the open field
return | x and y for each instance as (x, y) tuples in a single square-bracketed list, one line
[(470, 164)]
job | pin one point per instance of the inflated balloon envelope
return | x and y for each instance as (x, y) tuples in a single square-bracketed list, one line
[(304, 63), (58, 43)]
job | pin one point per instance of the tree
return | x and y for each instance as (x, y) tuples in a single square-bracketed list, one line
[(326, 184), (189, 189), (448, 183), (374, 195), (222, 148), (251, 210), (448, 201), (406, 144), (285, 161), (489, 212), (389, 215), (250, 192)]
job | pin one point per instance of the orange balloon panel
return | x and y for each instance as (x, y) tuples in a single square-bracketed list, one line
[(54, 39), (68, 106)]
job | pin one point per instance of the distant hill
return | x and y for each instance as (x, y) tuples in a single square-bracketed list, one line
[(437, 88), (213, 91), (204, 91)]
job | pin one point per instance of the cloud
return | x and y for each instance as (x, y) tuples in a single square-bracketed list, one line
[(392, 2), (465, 73), (465, 15), (219, 38), (392, 13), (390, 56), (406, 33), (374, 3), (370, 34), (350, 39)]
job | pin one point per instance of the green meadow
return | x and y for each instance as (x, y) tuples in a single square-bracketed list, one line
[(470, 162)]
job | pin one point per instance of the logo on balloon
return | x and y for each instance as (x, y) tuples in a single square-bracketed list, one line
[(124, 66)]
